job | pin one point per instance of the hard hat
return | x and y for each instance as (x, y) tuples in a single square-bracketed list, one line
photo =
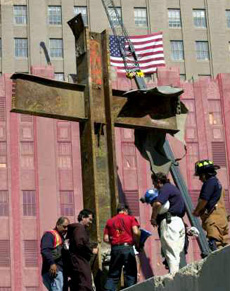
[(150, 196), (205, 166)]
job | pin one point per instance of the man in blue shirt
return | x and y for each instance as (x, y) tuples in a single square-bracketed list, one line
[(51, 251), (211, 207), (171, 225)]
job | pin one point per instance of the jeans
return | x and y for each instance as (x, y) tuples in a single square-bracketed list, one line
[(121, 256), (53, 284)]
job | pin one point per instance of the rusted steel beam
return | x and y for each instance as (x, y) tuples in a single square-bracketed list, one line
[(49, 98), (43, 97), (147, 108)]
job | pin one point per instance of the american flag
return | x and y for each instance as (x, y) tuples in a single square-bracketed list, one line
[(149, 50)]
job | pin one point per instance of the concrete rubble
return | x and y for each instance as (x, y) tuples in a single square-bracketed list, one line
[(211, 274)]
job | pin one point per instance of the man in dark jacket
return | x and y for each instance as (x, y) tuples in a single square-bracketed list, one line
[(81, 252), (211, 207), (171, 225), (51, 251)]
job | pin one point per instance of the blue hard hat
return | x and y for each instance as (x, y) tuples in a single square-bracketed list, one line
[(150, 195)]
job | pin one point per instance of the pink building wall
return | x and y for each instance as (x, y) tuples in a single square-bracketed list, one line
[(40, 172)]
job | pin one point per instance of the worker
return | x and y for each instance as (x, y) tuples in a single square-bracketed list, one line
[(51, 251), (170, 224), (122, 233), (81, 251), (210, 207)]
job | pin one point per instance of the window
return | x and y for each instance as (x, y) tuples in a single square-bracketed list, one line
[(20, 14), (56, 48), (59, 76), (204, 76), (29, 203), (202, 52), (177, 50), (21, 47), (4, 253), (64, 155), (54, 15), (27, 155), (113, 15), (63, 132), (131, 198), (3, 154), (0, 47), (83, 11), (174, 18), (228, 18), (67, 203), (140, 17), (31, 253), (182, 77), (4, 203), (2, 108), (192, 158), (199, 18), (26, 118), (219, 154)]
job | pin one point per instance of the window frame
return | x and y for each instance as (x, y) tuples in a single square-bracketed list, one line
[(113, 17), (60, 53), (178, 50), (64, 155), (22, 48), (67, 208), (200, 52), (173, 20), (31, 252), (227, 14), (84, 12), (29, 205), (5, 255), (53, 15), (3, 154), (20, 16), (199, 21), (140, 21), (57, 76), (27, 155), (4, 203)]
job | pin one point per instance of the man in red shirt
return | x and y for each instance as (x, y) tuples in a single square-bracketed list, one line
[(122, 232)]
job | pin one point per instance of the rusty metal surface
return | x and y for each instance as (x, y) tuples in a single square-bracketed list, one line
[(97, 77), (49, 98), (149, 108), (95, 153), (95, 103)]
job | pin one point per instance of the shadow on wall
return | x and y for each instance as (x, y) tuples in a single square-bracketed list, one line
[(145, 266)]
